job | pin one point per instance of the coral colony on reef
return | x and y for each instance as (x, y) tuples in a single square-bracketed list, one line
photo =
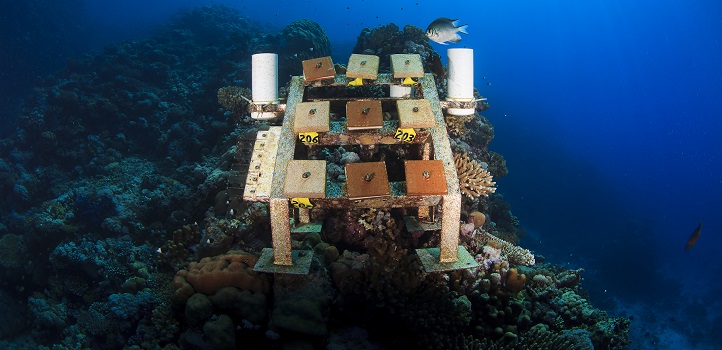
[(122, 225)]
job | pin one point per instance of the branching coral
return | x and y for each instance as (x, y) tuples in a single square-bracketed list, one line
[(232, 98), (514, 254), (474, 181), (176, 250)]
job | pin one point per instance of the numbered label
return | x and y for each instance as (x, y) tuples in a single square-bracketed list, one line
[(301, 203), (406, 135), (308, 137)]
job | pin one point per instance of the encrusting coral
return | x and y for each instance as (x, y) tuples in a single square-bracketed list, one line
[(474, 181)]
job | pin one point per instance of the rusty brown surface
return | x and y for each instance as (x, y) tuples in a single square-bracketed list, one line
[(340, 135), (279, 109), (364, 114), (367, 180), (318, 69), (425, 177), (393, 201), (458, 104), (356, 193)]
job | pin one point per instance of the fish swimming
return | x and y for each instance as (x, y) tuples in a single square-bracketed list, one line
[(443, 30), (693, 238)]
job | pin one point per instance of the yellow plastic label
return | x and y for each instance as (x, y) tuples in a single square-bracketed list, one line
[(308, 137), (406, 135), (409, 81), (301, 203), (356, 82)]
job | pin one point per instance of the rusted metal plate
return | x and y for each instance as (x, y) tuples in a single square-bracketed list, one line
[(312, 116), (261, 168), (425, 177), (363, 66), (415, 224), (301, 262), (367, 180), (407, 66), (431, 260), (363, 115), (305, 179), (318, 69), (415, 113)]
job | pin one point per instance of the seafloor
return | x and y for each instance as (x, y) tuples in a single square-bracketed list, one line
[(121, 227)]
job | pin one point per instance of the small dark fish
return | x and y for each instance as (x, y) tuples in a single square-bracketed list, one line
[(693, 238), (437, 68), (444, 30)]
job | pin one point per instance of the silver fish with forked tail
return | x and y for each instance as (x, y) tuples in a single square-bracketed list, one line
[(444, 30)]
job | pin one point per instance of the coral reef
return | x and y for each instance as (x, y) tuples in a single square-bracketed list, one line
[(388, 39), (137, 238), (300, 40)]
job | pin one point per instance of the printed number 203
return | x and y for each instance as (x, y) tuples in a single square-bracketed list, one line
[(405, 135)]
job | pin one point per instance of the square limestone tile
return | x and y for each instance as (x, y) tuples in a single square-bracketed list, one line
[(425, 177), (305, 179), (415, 113), (312, 116), (364, 115), (407, 66), (318, 69), (363, 66), (367, 180)]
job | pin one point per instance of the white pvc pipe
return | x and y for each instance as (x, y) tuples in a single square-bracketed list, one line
[(264, 78), (461, 79), (264, 82), (400, 91)]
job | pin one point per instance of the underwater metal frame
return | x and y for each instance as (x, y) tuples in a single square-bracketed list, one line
[(433, 139)]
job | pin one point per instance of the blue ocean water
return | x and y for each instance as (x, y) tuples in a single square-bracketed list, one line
[(607, 113)]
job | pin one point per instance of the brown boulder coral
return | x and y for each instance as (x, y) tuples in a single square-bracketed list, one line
[(211, 274)]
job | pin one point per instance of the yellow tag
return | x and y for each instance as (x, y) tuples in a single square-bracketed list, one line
[(406, 135), (409, 81), (308, 137), (356, 82), (301, 203)]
